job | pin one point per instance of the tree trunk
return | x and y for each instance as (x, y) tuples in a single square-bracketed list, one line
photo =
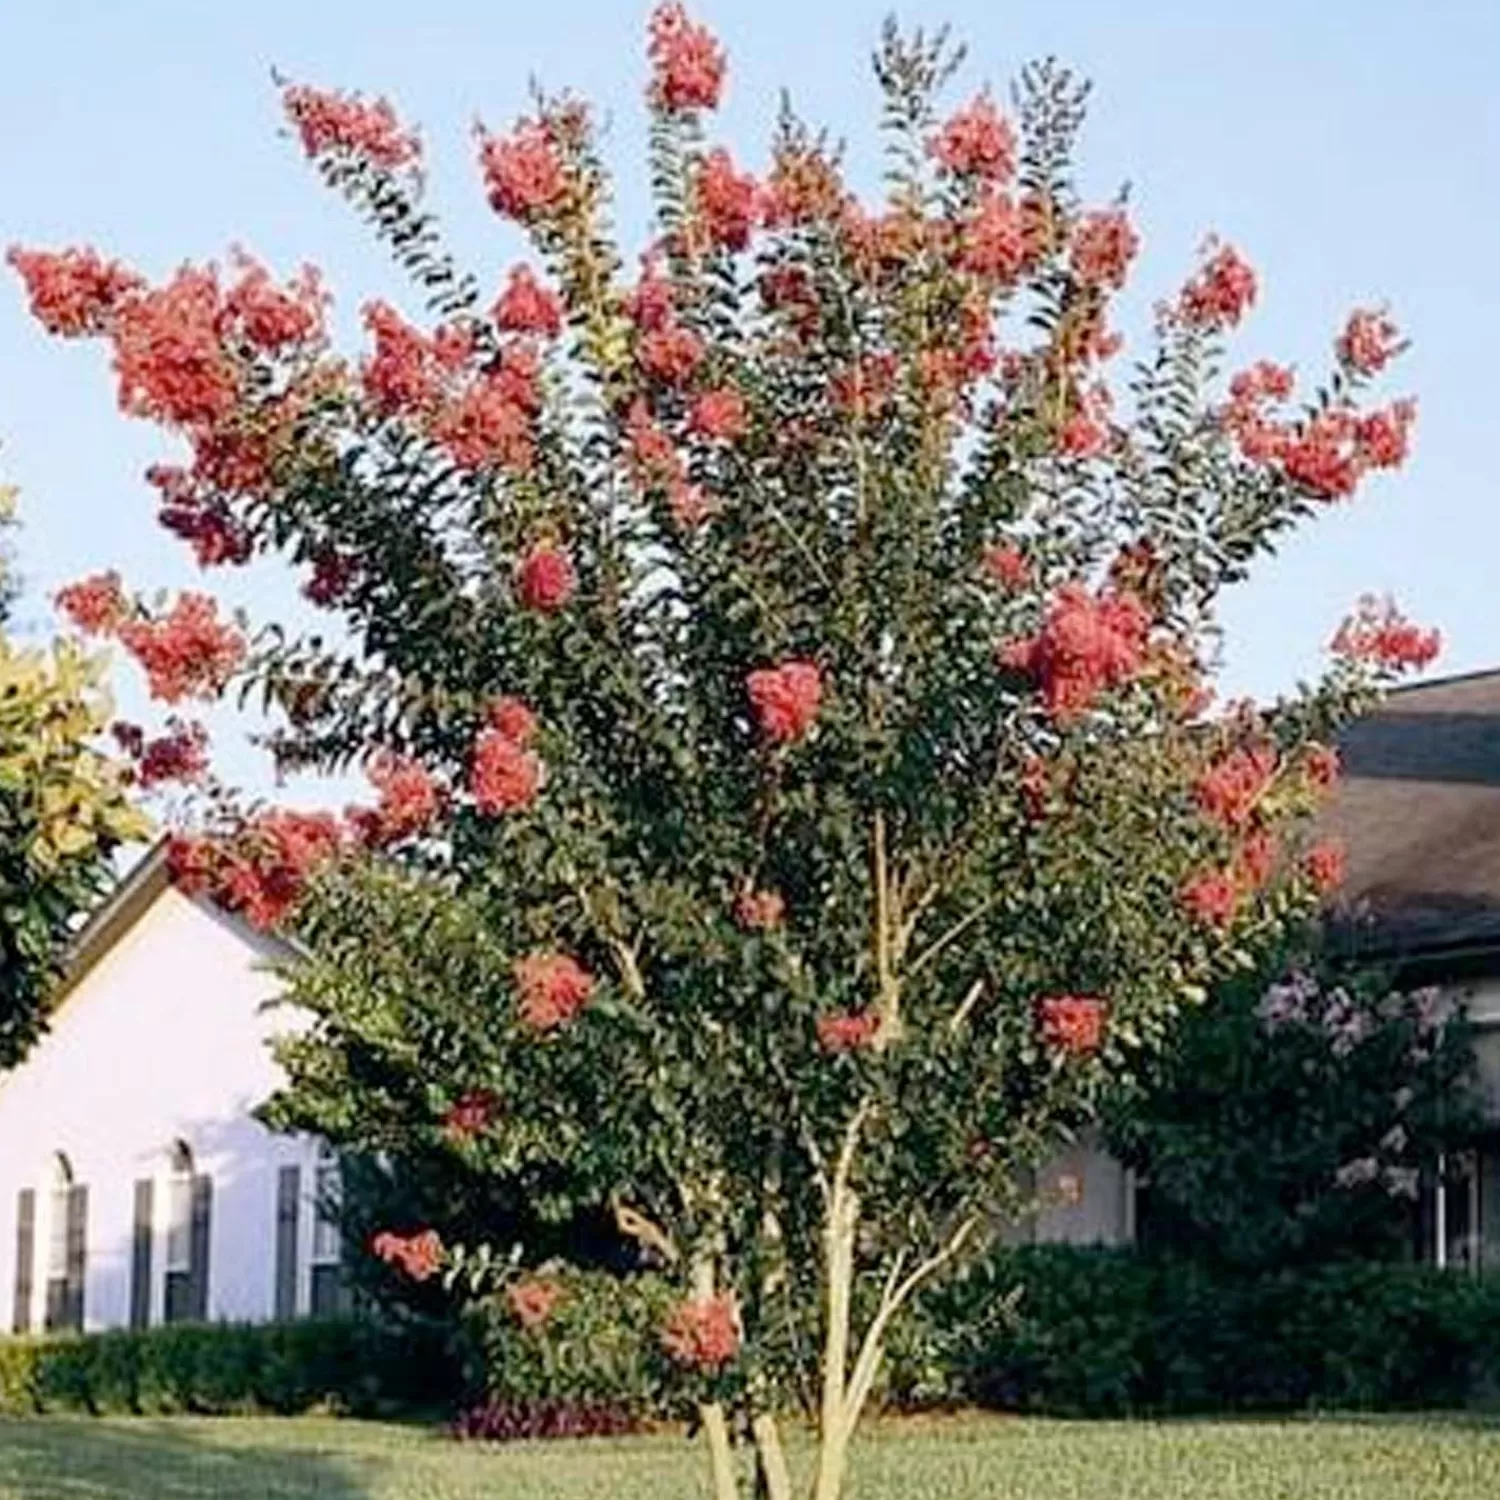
[(775, 1481), (833, 1426), (720, 1450)]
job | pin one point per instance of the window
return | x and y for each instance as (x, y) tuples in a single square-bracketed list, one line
[(189, 1208), (329, 1297), (67, 1247)]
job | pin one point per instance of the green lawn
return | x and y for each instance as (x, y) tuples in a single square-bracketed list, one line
[(996, 1459)]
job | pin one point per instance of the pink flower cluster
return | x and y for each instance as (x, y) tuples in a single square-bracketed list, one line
[(546, 579), (727, 201), (408, 801), (1087, 645), (470, 1114), (526, 306), (532, 1301), (977, 141), (1104, 244), (95, 605), (1072, 1024), (73, 292), (1369, 342), (1007, 566), (328, 121), (506, 775), (262, 871), (553, 988), (523, 172), (1230, 790), (1378, 633), (847, 1031), (180, 754), (187, 652), (419, 1255), (759, 911), (703, 1333), (686, 60), (1221, 293), (785, 699)]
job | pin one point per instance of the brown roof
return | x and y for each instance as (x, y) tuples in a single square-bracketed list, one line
[(1419, 812)]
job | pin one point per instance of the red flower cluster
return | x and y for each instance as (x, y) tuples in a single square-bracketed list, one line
[(407, 805), (523, 172), (1369, 342), (470, 1114), (420, 1256), (1230, 790), (670, 353), (405, 373), (704, 1332), (263, 871), (1325, 865), (269, 317), (170, 355), (485, 424), (1263, 381), (510, 717), (1007, 566), (545, 579), (181, 754), (993, 242), (553, 988), (1221, 293), (95, 605), (727, 201), (719, 415), (1104, 244), (332, 573), (188, 652), (526, 306), (1073, 1024), (803, 185), (1086, 645), (1212, 897), (759, 911), (976, 141), (73, 292), (686, 60), (1255, 860), (847, 1031), (866, 388), (1321, 765), (532, 1301), (1380, 634), (330, 121), (506, 776), (785, 699)]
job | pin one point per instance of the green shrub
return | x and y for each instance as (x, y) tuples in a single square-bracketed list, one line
[(227, 1367), (1100, 1332), (599, 1346)]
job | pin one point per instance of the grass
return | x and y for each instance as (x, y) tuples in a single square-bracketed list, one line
[(957, 1459)]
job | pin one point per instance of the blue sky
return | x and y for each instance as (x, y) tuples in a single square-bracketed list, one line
[(1349, 147)]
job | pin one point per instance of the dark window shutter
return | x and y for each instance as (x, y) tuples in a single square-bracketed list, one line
[(140, 1254), (20, 1321), (288, 1193), (198, 1243), (78, 1256)]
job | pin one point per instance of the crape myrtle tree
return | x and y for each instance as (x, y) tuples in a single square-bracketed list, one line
[(65, 808), (782, 668)]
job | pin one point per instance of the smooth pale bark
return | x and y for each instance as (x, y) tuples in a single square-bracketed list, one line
[(720, 1450), (776, 1479), (833, 1426)]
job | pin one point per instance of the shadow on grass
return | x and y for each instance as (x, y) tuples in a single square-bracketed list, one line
[(141, 1459)]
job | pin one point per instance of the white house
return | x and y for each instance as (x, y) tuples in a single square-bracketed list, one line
[(135, 1186)]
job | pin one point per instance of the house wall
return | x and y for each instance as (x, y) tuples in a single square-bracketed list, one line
[(1084, 1197), (164, 1039)]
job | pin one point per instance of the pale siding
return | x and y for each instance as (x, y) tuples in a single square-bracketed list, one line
[(165, 1039)]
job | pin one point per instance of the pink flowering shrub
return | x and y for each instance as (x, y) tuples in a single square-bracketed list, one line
[(780, 655)]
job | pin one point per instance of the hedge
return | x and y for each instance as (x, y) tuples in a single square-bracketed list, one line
[(1094, 1332), (1048, 1329), (356, 1367)]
